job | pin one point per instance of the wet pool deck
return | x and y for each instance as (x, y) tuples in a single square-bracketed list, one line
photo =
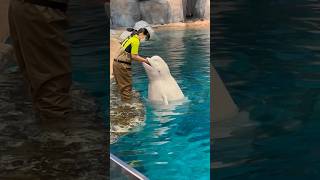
[(28, 153)]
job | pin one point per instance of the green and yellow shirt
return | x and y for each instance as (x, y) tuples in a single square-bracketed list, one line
[(131, 44)]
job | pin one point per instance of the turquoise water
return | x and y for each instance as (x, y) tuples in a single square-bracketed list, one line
[(174, 143), (87, 36), (267, 52)]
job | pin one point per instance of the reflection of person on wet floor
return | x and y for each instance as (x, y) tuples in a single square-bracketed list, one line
[(37, 29), (122, 64)]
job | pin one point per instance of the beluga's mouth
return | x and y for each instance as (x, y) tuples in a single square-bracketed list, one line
[(147, 66)]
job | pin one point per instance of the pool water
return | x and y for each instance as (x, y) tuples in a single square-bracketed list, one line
[(174, 143), (87, 35), (268, 54)]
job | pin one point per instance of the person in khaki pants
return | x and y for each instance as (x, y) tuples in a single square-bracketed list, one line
[(122, 64), (37, 30)]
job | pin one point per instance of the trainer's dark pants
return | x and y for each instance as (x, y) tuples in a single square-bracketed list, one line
[(43, 56), (123, 76)]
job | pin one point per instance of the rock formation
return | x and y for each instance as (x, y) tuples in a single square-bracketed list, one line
[(124, 12), (202, 9), (127, 12), (162, 12)]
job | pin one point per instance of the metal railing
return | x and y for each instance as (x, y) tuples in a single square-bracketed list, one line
[(120, 170)]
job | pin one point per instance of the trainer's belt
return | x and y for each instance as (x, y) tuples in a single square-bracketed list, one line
[(125, 62)]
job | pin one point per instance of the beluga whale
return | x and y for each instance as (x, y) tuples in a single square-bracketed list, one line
[(162, 88)]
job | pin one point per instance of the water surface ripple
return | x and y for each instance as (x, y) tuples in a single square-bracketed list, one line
[(267, 52)]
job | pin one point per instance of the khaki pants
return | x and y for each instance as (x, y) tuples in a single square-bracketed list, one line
[(123, 76), (43, 57)]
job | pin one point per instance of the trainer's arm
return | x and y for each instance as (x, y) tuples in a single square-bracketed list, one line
[(135, 53), (138, 58)]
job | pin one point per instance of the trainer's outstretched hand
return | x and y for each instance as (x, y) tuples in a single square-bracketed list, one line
[(147, 61)]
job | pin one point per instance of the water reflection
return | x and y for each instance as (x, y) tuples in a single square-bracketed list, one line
[(266, 52)]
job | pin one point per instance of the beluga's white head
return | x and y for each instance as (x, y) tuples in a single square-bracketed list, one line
[(157, 69), (162, 86)]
